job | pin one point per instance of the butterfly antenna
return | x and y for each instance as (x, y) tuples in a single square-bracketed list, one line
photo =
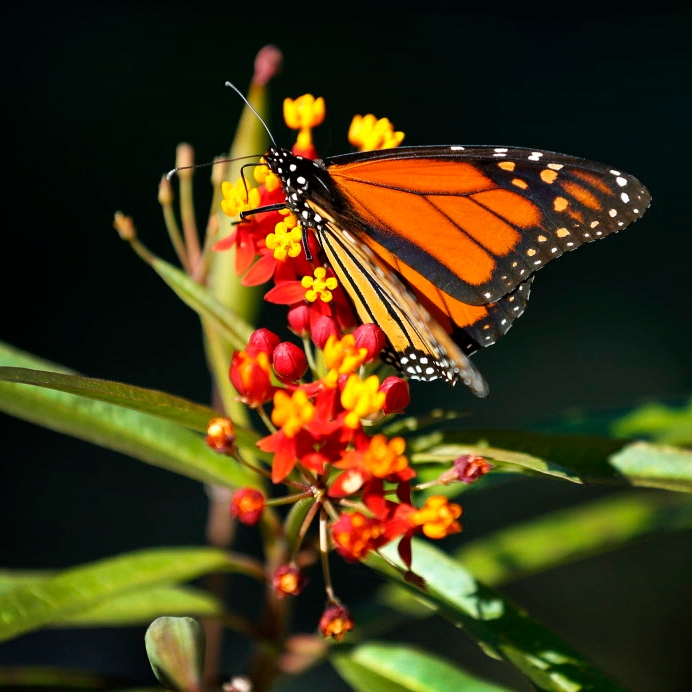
[(247, 103), (173, 171)]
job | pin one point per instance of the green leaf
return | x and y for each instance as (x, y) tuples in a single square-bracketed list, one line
[(140, 435), (166, 406), (76, 590), (666, 424), (378, 667), (572, 534), (569, 457), (133, 608), (500, 628)]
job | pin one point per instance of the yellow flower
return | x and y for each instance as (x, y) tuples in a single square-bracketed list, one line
[(292, 412), (368, 133), (319, 286), (285, 240), (342, 355), (361, 399), (438, 517), (236, 198)]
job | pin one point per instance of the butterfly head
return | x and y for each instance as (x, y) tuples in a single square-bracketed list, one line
[(301, 179)]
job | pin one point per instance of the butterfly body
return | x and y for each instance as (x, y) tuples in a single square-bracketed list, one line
[(438, 245)]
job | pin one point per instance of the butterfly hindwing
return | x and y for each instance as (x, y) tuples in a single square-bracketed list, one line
[(418, 345)]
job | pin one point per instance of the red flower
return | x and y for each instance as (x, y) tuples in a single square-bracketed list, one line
[(221, 435), (336, 621), (251, 377), (247, 504), (355, 535), (288, 580)]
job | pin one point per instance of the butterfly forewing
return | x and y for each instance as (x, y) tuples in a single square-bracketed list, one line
[(478, 221)]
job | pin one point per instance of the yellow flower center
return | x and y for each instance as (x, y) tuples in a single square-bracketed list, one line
[(385, 457), (285, 240), (319, 286), (368, 133), (236, 198), (438, 517), (266, 177), (361, 399), (342, 355), (292, 412)]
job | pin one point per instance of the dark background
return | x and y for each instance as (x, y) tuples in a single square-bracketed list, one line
[(96, 100)]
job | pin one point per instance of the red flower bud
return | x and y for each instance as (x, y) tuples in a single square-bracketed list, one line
[(262, 340), (397, 394), (299, 319), (251, 377), (323, 328), (288, 580), (336, 621), (247, 504), (468, 468), (289, 361), (221, 435), (372, 338)]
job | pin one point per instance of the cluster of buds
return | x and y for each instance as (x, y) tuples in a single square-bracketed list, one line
[(325, 397)]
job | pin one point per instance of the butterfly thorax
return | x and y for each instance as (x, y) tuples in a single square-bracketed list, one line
[(301, 179)]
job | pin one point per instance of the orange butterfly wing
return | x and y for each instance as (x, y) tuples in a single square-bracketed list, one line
[(478, 221)]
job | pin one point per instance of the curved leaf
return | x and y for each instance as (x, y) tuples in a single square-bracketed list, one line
[(500, 628), (666, 424), (160, 404), (570, 457), (140, 435), (378, 667), (78, 589), (571, 534)]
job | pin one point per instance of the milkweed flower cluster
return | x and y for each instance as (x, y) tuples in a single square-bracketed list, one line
[(319, 427)]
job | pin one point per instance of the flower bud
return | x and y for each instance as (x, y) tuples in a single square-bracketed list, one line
[(370, 337), (251, 377), (397, 394), (469, 468), (323, 328), (175, 647), (263, 340), (247, 504), (289, 361), (336, 621), (288, 580), (221, 435), (299, 319)]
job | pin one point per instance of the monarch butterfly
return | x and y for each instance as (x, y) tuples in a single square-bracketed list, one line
[(438, 245)]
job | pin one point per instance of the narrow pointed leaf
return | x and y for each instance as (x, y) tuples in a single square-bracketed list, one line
[(573, 534), (138, 607), (167, 406), (594, 460), (500, 628), (75, 590), (666, 424), (377, 667), (140, 435)]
